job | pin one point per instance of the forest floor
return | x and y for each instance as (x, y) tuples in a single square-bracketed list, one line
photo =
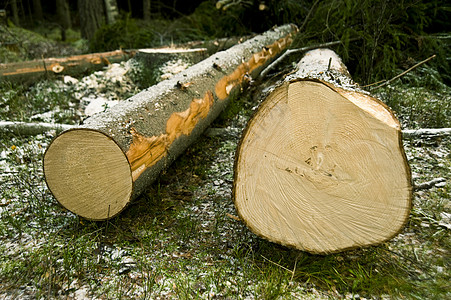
[(180, 239)]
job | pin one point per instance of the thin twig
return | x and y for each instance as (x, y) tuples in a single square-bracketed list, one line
[(233, 217), (374, 83), (294, 269), (402, 74)]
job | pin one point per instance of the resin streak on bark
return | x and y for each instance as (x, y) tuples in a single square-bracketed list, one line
[(227, 83), (145, 151)]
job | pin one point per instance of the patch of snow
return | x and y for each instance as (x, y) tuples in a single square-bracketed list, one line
[(446, 220), (82, 293), (116, 72), (46, 117), (70, 80), (98, 105), (173, 67)]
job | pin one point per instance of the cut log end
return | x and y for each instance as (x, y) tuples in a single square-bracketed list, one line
[(88, 174), (322, 171)]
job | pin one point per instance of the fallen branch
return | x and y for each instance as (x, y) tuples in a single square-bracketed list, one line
[(429, 184), (430, 132), (24, 128)]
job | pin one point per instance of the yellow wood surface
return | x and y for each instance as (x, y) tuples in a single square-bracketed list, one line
[(321, 172), (88, 173)]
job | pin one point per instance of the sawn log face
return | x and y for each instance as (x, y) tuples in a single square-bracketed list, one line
[(322, 168)]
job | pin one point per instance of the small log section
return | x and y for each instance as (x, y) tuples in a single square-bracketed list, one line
[(30, 71), (97, 169), (321, 166)]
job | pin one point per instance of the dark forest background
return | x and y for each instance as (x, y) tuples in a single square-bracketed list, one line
[(379, 37)]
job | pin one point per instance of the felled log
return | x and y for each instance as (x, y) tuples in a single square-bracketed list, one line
[(30, 71), (97, 169), (321, 166)]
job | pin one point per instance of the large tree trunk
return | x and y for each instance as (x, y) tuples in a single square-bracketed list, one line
[(95, 170), (63, 15), (146, 10), (321, 166), (92, 16), (154, 60), (111, 11)]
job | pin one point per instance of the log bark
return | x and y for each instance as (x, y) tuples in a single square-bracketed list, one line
[(31, 71), (97, 169), (321, 166)]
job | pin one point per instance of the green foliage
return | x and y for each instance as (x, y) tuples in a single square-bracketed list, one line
[(124, 33), (390, 35), (18, 44), (378, 37)]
